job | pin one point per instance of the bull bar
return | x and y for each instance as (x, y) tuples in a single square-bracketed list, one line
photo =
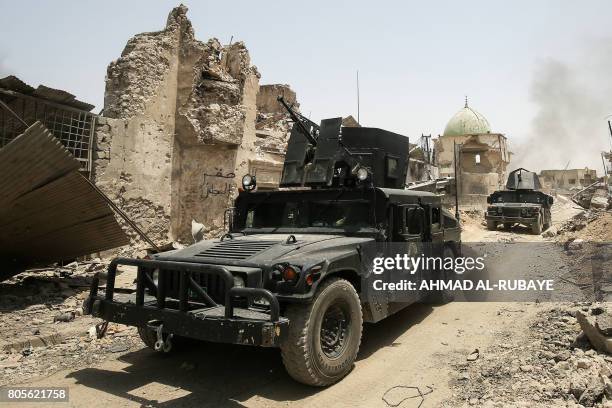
[(212, 322)]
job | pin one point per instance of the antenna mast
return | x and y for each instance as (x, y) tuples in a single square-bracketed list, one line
[(358, 121)]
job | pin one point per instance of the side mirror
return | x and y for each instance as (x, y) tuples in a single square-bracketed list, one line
[(489, 200)]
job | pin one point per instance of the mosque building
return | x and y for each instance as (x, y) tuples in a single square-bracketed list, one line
[(482, 156)]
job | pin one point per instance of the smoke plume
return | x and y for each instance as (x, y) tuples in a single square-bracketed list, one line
[(572, 101)]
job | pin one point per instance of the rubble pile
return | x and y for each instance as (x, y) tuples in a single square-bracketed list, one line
[(590, 225), (74, 351), (555, 365), (43, 328)]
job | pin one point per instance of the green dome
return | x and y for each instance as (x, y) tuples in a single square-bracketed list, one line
[(467, 122)]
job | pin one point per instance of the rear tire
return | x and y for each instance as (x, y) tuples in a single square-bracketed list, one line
[(536, 227), (491, 225), (324, 335)]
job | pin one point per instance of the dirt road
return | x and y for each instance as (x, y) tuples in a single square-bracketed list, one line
[(421, 346), (416, 347)]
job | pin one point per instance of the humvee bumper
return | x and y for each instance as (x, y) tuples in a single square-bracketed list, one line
[(503, 218), (182, 317)]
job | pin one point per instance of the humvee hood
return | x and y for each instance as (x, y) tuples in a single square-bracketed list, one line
[(262, 248)]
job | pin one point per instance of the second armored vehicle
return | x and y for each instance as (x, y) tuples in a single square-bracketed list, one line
[(521, 203)]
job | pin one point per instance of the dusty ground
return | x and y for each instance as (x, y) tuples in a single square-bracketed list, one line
[(432, 348)]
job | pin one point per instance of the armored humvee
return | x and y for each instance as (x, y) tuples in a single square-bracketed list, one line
[(290, 271), (521, 203)]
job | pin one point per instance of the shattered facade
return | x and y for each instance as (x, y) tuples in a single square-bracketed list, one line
[(183, 121), (568, 179), (482, 157)]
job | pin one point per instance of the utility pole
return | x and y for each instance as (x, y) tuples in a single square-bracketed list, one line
[(456, 182)]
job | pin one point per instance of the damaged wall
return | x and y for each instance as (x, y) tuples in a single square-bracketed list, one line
[(181, 129), (482, 164), (272, 124)]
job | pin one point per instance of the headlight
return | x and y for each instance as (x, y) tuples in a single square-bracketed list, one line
[(249, 182), (238, 281), (288, 273), (500, 210), (362, 174)]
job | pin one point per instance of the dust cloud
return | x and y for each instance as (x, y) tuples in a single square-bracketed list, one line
[(573, 102)]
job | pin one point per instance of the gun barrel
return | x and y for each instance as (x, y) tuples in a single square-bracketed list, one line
[(299, 121)]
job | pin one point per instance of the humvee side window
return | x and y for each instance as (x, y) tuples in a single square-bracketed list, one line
[(392, 167), (413, 221), (435, 217)]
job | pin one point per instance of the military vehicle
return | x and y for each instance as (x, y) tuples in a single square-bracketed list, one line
[(521, 203), (290, 272)]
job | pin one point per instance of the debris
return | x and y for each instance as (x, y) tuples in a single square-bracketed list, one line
[(118, 346), (588, 324), (64, 317), (473, 356), (549, 233)]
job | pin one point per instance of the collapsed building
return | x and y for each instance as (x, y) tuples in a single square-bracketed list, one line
[(477, 157), (565, 180), (183, 121)]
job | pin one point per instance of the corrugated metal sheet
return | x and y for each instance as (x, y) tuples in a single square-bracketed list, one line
[(48, 211), (30, 161)]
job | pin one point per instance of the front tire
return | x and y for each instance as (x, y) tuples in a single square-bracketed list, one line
[(443, 296), (491, 225), (324, 335)]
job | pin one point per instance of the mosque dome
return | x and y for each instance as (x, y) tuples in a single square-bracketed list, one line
[(467, 122)]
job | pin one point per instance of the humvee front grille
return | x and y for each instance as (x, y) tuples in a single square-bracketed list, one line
[(512, 212), (236, 249), (212, 284)]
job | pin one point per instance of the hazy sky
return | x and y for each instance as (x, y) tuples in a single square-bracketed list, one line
[(417, 60)]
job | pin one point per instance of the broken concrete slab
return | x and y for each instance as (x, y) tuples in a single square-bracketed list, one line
[(589, 326)]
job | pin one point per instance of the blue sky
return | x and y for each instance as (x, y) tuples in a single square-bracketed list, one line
[(417, 60)]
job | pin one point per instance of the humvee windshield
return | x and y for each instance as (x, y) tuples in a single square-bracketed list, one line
[(339, 214)]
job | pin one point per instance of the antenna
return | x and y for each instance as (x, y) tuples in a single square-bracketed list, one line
[(358, 121)]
